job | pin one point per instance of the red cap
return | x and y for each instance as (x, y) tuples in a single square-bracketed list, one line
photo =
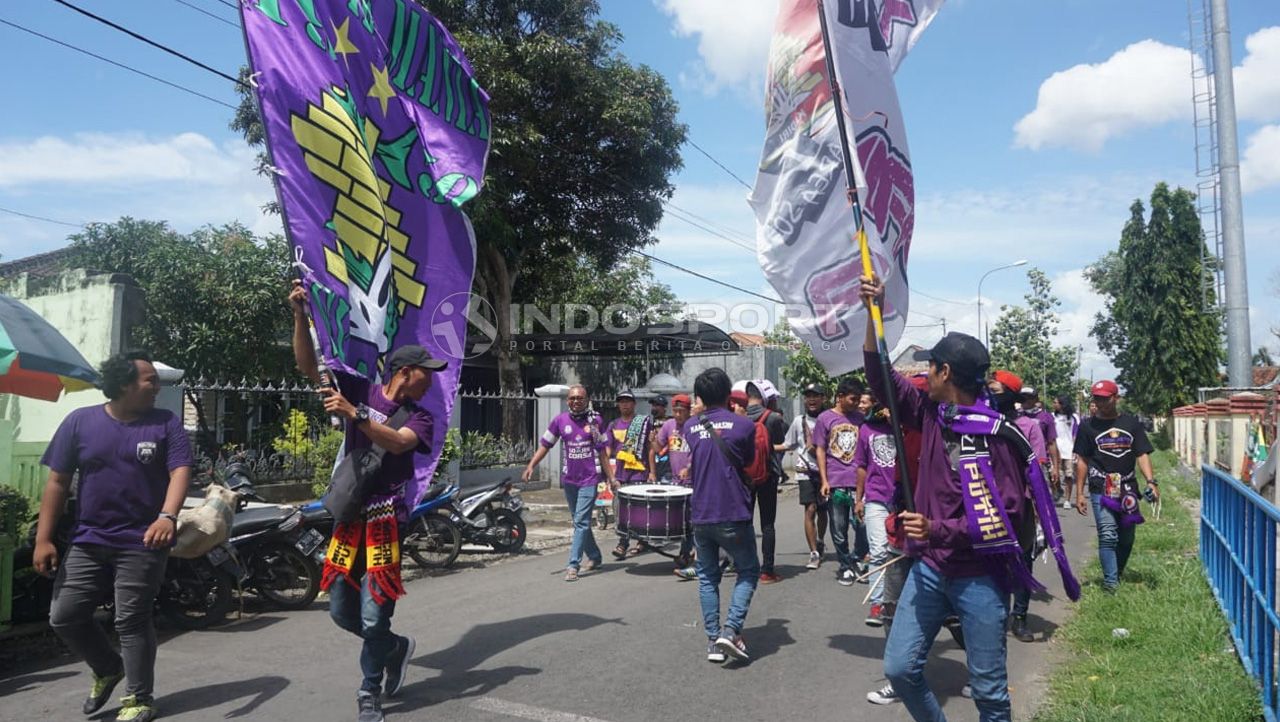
[(1009, 380), (681, 399), (738, 397), (1106, 387), (920, 381)]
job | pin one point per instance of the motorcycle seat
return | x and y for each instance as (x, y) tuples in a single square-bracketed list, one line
[(481, 488), (254, 520)]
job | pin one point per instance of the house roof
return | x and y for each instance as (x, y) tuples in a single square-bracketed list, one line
[(746, 340), (1265, 375), (49, 263)]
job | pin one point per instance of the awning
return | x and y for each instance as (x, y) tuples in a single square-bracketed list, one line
[(680, 338)]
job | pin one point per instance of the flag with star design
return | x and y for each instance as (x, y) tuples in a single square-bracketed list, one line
[(378, 134)]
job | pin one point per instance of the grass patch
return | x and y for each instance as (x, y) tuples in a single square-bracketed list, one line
[(1177, 662)]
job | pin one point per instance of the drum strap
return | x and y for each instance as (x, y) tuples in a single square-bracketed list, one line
[(724, 450)]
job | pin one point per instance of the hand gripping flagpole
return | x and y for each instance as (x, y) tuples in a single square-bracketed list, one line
[(877, 317)]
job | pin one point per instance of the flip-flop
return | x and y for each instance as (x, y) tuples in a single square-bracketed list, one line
[(619, 552)]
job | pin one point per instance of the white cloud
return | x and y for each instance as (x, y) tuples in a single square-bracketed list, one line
[(1147, 83), (1144, 85), (93, 158), (1260, 165), (733, 40)]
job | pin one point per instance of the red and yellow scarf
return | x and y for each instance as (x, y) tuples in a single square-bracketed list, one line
[(381, 536)]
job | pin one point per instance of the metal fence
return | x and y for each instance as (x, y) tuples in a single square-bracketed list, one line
[(1238, 551)]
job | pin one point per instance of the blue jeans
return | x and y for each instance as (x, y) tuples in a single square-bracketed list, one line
[(927, 598), (356, 611), (841, 518), (582, 502), (738, 540), (1115, 542)]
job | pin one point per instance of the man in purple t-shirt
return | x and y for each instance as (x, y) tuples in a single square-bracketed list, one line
[(134, 462), (721, 511), (1050, 459), (876, 459), (584, 460), (369, 408), (629, 438), (835, 439)]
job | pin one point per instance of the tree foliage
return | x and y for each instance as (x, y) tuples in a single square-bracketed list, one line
[(1159, 328), (802, 367), (1022, 340), (215, 298)]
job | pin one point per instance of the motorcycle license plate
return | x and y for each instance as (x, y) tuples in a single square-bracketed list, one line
[(515, 503), (309, 542), (218, 556)]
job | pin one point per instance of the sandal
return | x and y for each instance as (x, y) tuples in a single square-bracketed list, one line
[(619, 552), (571, 574), (637, 550)]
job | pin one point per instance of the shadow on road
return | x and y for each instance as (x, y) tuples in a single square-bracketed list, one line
[(945, 676), (258, 690), (766, 640), (13, 685)]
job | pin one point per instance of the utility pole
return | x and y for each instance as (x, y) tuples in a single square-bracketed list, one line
[(1237, 302)]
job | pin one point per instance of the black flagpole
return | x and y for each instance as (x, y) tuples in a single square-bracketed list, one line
[(886, 367)]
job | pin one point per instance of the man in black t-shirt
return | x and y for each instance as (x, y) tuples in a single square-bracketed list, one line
[(1108, 447)]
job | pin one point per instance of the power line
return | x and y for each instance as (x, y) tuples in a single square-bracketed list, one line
[(41, 218), (740, 289), (118, 65), (201, 10), (230, 4), (149, 41), (943, 300), (676, 213), (722, 165)]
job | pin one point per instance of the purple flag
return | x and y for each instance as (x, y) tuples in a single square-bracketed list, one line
[(378, 133)]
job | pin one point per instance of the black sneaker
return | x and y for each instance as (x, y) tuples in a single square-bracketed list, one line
[(370, 707), (101, 691), (398, 664), (1020, 630)]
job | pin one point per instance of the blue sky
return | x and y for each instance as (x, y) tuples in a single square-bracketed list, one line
[(1032, 128)]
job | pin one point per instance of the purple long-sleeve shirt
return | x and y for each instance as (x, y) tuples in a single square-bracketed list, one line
[(949, 548)]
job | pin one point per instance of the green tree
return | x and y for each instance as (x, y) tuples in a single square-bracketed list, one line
[(1159, 329), (802, 367), (1022, 340), (215, 298), (584, 145)]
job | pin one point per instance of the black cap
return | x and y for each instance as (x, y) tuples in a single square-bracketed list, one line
[(413, 356), (965, 354), (814, 389), (658, 400), (625, 394)]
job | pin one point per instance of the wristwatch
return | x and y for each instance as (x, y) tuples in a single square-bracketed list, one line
[(362, 414), (171, 517)]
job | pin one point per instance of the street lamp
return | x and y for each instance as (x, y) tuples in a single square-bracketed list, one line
[(1015, 264)]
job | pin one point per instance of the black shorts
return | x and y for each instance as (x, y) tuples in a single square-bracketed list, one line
[(810, 488)]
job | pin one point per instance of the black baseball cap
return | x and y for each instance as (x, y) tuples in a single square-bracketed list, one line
[(965, 354), (814, 389), (625, 394), (658, 400), (413, 356)]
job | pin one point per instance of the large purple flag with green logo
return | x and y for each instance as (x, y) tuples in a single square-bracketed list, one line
[(378, 133)]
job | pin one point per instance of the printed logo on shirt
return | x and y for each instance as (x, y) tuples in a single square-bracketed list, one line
[(146, 451), (567, 429), (843, 441), (883, 450), (1113, 442), (676, 443)]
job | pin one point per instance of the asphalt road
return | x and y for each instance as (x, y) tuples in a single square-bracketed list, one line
[(512, 641)]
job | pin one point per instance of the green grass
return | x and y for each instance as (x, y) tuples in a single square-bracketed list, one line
[(1178, 662)]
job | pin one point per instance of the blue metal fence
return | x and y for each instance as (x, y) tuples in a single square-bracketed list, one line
[(1238, 550)]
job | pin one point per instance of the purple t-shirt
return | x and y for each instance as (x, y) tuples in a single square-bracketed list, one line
[(938, 497), (615, 434), (1048, 428), (397, 469), (671, 438), (124, 471), (719, 495), (1030, 428), (581, 440), (877, 454), (837, 435)]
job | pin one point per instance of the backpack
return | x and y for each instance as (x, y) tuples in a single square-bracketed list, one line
[(757, 472)]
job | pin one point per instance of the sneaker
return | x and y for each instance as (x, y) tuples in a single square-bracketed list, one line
[(884, 695), (845, 578), (1066, 504), (591, 565), (136, 709), (815, 561), (729, 570), (100, 692), (370, 708), (873, 616), (862, 577), (734, 645), (966, 692), (714, 653), (769, 578), (686, 574), (398, 664), (571, 574), (1020, 631)]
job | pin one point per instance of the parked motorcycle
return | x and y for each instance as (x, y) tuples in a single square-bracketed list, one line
[(491, 516), (273, 545)]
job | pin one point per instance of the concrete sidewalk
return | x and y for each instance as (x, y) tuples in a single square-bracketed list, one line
[(510, 640)]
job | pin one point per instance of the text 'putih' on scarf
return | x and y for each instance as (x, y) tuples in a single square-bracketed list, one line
[(380, 535), (989, 525)]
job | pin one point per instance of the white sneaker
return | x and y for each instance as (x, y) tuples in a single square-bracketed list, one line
[(815, 561), (846, 578), (1066, 504), (884, 695), (966, 692)]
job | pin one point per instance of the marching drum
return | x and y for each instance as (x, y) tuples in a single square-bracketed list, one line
[(654, 512)]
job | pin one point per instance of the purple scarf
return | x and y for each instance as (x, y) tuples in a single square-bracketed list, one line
[(989, 525), (1120, 495)]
